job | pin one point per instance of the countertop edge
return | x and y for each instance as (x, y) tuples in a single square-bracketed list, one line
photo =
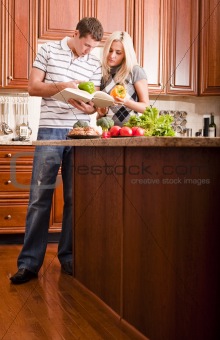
[(136, 142), (124, 142)]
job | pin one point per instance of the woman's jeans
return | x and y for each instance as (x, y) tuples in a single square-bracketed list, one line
[(46, 164)]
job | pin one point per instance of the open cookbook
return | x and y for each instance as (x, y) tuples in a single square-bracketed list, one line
[(99, 98)]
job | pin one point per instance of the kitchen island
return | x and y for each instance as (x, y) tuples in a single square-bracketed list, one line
[(146, 231)]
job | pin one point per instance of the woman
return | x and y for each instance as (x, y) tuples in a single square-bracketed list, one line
[(120, 66)]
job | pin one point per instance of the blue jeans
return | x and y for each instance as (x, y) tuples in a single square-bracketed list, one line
[(46, 164)]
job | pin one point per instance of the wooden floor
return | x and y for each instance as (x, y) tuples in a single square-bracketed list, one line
[(53, 306)]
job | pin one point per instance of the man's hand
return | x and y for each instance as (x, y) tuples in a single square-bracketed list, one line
[(71, 84), (88, 108)]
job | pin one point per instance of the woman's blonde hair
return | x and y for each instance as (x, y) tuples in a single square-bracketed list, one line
[(129, 61)]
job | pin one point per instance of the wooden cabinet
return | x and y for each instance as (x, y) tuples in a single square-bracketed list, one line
[(150, 23), (182, 47), (166, 41), (1, 44), (15, 176), (19, 41), (146, 236), (209, 48), (177, 42), (58, 19)]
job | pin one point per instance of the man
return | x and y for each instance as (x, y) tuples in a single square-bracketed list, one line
[(58, 65)]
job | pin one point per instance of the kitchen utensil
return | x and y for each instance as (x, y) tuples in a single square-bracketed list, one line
[(5, 127), (23, 130), (1, 131), (27, 122)]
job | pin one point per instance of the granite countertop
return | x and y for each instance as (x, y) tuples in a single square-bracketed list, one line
[(11, 142), (137, 141), (125, 141)]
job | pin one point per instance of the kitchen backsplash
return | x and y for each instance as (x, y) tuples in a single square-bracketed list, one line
[(195, 108)]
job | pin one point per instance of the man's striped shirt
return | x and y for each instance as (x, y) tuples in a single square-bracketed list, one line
[(56, 59)]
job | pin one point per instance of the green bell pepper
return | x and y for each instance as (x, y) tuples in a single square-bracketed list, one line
[(87, 86)]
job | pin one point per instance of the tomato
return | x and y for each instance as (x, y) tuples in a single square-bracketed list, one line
[(126, 131), (137, 131), (118, 91), (106, 134), (114, 131)]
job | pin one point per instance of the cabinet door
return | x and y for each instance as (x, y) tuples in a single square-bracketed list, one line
[(1, 41), (20, 41), (15, 176), (182, 43), (149, 40), (58, 19), (210, 48), (116, 15)]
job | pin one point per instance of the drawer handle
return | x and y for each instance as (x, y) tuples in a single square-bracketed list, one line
[(8, 217), (8, 182), (8, 155)]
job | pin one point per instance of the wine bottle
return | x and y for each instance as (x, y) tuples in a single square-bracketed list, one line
[(212, 127)]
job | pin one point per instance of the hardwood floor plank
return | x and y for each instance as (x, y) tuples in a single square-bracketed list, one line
[(53, 306)]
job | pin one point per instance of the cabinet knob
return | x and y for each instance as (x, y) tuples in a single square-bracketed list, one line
[(10, 77), (8, 155), (8, 217), (8, 182)]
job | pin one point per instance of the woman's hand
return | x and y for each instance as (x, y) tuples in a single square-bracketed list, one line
[(88, 108), (119, 100), (102, 111)]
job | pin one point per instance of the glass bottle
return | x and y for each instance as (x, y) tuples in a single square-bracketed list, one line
[(212, 127)]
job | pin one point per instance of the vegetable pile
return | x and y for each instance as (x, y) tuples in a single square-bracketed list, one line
[(106, 124), (153, 123)]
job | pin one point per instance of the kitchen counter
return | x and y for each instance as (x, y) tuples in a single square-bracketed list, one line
[(126, 141), (146, 231), (138, 141)]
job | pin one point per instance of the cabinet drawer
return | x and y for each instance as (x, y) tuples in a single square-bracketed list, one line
[(16, 156), (12, 216), (15, 181)]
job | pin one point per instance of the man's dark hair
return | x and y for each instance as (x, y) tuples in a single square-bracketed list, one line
[(92, 26)]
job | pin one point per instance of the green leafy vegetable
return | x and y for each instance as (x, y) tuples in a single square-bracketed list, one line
[(105, 122), (153, 123), (81, 123)]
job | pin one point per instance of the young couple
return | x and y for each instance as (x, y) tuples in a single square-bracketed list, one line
[(58, 65)]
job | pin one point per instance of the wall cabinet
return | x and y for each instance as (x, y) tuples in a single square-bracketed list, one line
[(1, 43), (18, 41), (166, 41), (182, 47), (58, 19), (15, 175), (150, 22), (176, 41), (210, 48)]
